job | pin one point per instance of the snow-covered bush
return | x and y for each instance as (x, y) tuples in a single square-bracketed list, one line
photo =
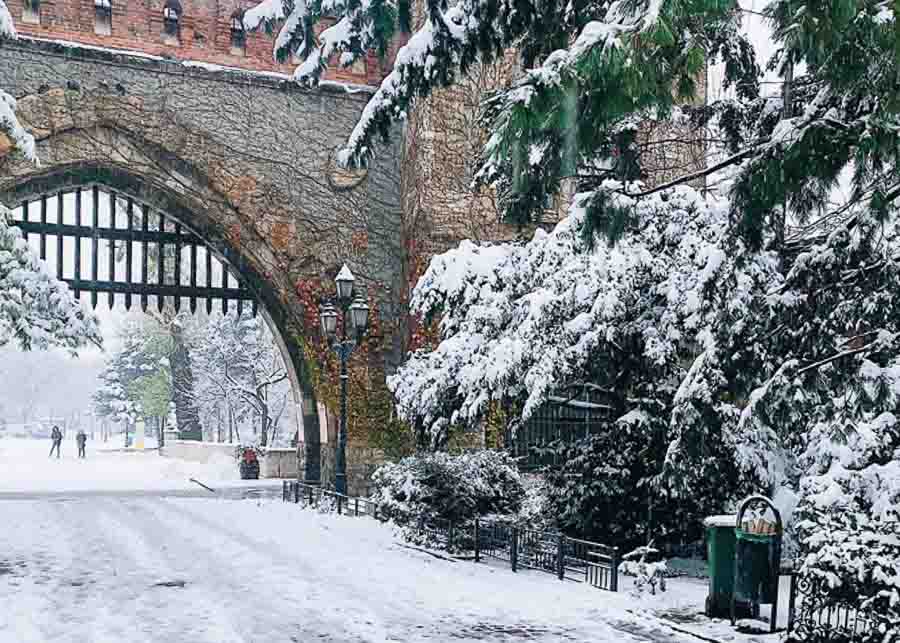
[(439, 486), (853, 559), (536, 510), (648, 575), (849, 519)]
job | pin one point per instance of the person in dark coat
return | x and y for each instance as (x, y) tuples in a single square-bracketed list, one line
[(56, 436), (81, 440)]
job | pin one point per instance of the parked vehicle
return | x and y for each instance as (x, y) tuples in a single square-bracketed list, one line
[(248, 463)]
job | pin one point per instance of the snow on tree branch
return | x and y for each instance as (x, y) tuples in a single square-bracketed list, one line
[(519, 321), (7, 27), (9, 124), (36, 310)]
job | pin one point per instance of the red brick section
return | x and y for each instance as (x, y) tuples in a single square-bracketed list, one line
[(205, 34)]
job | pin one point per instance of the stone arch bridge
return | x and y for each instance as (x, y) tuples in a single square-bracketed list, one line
[(243, 160)]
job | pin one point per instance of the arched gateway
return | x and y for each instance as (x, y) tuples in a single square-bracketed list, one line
[(241, 163)]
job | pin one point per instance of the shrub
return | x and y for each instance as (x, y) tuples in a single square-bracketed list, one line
[(606, 491), (852, 559), (439, 486)]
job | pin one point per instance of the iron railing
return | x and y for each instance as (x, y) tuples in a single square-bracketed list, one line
[(815, 615), (313, 496), (567, 558)]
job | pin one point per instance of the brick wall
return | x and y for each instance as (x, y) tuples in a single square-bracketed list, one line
[(204, 33)]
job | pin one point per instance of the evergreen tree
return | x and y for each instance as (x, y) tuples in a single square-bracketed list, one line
[(131, 377), (36, 310)]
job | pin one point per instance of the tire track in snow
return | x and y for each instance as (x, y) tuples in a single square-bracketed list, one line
[(186, 614), (69, 574), (282, 594), (390, 611), (375, 616)]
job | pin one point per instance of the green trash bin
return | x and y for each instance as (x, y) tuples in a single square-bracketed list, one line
[(758, 558), (757, 561), (720, 542)]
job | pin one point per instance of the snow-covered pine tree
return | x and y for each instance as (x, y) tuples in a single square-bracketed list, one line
[(839, 116), (36, 310), (141, 358), (765, 326)]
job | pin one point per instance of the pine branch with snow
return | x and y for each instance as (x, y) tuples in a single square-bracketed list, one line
[(36, 310)]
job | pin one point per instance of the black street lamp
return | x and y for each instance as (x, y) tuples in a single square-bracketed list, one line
[(356, 315)]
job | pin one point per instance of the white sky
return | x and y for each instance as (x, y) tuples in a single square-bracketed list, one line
[(761, 36)]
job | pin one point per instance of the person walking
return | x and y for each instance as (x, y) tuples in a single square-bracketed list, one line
[(81, 440), (56, 436)]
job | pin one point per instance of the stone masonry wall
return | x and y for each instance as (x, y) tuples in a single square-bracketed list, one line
[(361, 464), (276, 463), (245, 161)]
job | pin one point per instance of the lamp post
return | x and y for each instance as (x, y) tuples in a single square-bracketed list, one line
[(356, 312)]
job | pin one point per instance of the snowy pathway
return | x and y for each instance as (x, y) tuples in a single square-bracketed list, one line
[(108, 569), (26, 471)]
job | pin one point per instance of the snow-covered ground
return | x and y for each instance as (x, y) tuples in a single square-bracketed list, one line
[(102, 550), (193, 570), (25, 468)]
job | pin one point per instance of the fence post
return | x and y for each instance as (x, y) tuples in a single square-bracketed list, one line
[(450, 536), (296, 492), (340, 501), (284, 488), (792, 599), (561, 557), (356, 506), (614, 572), (309, 502), (477, 544), (375, 511), (514, 549)]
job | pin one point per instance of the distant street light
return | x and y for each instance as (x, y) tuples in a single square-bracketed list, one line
[(356, 315)]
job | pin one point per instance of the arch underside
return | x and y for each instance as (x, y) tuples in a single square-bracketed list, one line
[(199, 220)]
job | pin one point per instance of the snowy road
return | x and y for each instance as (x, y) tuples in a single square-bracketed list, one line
[(108, 569)]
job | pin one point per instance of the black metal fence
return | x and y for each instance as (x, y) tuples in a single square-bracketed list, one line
[(313, 496), (567, 558), (815, 615), (568, 416)]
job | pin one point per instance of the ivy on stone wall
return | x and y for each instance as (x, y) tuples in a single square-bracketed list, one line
[(371, 420)]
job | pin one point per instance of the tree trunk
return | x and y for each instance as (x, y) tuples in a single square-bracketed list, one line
[(264, 429), (186, 414)]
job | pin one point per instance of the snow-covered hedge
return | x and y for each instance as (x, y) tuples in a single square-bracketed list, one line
[(849, 519), (856, 560), (448, 487)]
